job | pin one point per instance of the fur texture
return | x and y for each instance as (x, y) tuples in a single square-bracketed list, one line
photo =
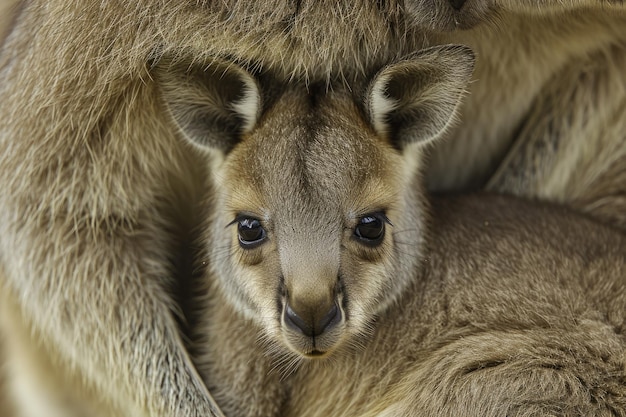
[(97, 196), (476, 306), (586, 167), (8, 11), (505, 320)]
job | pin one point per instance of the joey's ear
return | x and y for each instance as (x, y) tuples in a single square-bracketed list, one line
[(415, 100), (213, 105)]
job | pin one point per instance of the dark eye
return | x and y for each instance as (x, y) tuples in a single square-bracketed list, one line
[(371, 229), (251, 233)]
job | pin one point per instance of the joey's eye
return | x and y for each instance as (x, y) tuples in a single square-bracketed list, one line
[(251, 233), (371, 229)]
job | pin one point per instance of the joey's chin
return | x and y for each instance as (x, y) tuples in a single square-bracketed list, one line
[(314, 347)]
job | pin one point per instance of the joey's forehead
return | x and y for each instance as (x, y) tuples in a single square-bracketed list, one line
[(323, 151)]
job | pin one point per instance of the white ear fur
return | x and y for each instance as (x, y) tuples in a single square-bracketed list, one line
[(416, 99), (381, 105), (249, 106)]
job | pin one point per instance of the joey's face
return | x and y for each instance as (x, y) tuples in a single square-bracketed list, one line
[(317, 224), (317, 221)]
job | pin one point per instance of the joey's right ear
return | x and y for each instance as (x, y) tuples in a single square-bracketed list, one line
[(213, 105), (416, 99)]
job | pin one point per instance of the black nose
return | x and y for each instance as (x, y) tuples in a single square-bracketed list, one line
[(457, 4), (310, 323)]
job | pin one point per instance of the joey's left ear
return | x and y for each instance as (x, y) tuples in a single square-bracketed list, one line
[(415, 100), (213, 105)]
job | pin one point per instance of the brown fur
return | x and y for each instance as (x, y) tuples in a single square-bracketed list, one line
[(5, 402), (7, 15), (494, 306), (443, 15), (505, 320), (588, 174), (97, 194), (559, 130)]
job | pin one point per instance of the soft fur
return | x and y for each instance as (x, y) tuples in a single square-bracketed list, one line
[(580, 157), (98, 196), (474, 306)]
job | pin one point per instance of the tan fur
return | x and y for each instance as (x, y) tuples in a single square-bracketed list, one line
[(6, 406), (588, 174), (8, 11), (442, 15), (97, 194), (505, 320), (549, 76), (39, 381), (476, 306)]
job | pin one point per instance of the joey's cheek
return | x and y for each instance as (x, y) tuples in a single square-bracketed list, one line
[(364, 280), (351, 279), (370, 255), (250, 259), (264, 279), (366, 255)]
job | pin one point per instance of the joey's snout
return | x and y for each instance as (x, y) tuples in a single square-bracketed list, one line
[(312, 316), (312, 321), (312, 294)]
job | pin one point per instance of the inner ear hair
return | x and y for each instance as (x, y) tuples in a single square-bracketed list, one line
[(212, 104), (415, 99)]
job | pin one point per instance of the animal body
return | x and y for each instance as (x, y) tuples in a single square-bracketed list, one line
[(98, 198), (336, 286), (441, 15), (562, 139), (7, 11), (559, 135), (586, 168)]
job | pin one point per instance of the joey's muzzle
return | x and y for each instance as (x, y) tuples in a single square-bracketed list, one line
[(312, 322)]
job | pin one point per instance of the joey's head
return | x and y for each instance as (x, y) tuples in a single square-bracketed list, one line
[(318, 223)]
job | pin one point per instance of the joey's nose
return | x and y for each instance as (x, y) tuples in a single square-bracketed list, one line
[(312, 323), (457, 4)]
